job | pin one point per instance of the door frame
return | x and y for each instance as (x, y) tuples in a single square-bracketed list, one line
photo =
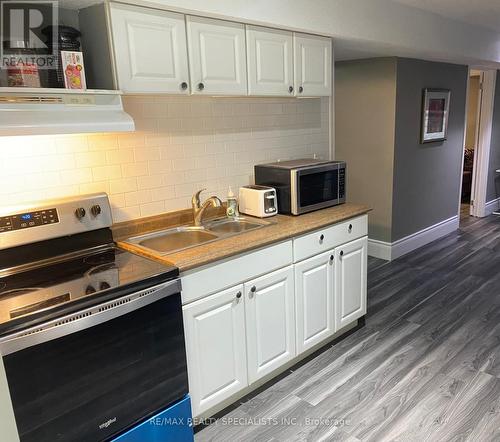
[(483, 136)]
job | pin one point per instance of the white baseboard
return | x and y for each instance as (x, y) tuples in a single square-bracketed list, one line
[(379, 249), (390, 251), (491, 206)]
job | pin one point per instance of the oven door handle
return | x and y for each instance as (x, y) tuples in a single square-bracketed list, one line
[(87, 318)]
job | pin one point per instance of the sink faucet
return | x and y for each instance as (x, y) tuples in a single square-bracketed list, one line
[(199, 209)]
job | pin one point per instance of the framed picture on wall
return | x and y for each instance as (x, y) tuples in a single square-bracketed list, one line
[(435, 111)]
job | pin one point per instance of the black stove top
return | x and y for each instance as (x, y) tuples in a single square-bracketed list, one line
[(34, 293)]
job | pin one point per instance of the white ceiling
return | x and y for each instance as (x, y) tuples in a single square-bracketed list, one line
[(484, 13)]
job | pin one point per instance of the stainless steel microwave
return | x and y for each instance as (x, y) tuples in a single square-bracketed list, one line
[(304, 185)]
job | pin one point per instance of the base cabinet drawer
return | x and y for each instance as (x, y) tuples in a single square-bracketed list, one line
[(329, 237), (351, 275), (270, 321), (315, 300), (216, 349)]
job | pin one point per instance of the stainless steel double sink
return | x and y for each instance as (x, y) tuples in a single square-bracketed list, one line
[(183, 237)]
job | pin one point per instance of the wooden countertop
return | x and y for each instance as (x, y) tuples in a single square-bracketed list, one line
[(283, 228)]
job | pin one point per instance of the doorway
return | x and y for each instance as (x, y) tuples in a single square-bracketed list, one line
[(480, 100), (471, 140)]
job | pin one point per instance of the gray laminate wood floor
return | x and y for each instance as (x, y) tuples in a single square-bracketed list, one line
[(425, 367)]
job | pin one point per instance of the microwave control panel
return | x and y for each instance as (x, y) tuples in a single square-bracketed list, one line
[(26, 220), (342, 183)]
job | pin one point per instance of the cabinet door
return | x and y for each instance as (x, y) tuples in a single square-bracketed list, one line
[(313, 65), (314, 300), (150, 50), (270, 61), (215, 347), (217, 58), (270, 322), (350, 275)]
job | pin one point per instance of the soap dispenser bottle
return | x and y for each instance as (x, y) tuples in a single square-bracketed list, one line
[(232, 204)]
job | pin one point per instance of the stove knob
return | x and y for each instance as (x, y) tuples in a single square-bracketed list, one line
[(80, 212), (104, 285), (89, 290), (96, 210)]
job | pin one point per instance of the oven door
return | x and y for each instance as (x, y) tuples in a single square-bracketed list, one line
[(314, 188), (92, 374)]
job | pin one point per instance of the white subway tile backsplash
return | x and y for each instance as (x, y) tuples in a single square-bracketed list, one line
[(162, 193), (104, 173), (135, 169), (125, 213), (102, 186), (120, 156), (151, 209), (181, 144), (123, 185), (149, 181), (90, 159), (137, 198)]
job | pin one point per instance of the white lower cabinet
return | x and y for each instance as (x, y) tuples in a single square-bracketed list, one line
[(314, 300), (351, 275), (236, 336), (270, 322), (216, 348)]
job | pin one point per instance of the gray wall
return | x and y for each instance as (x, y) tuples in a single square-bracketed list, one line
[(365, 105), (493, 188), (426, 176)]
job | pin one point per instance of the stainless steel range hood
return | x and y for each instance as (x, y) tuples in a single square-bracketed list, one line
[(55, 111)]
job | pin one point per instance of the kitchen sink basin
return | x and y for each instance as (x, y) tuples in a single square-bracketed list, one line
[(183, 237), (233, 226), (176, 239)]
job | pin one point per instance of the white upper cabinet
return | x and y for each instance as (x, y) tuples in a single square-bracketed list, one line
[(313, 65), (216, 56), (150, 50), (350, 276), (270, 61), (270, 324)]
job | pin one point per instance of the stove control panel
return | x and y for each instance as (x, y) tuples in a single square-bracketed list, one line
[(27, 220), (54, 219)]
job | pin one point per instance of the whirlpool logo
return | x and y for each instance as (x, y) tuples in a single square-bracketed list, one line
[(106, 424)]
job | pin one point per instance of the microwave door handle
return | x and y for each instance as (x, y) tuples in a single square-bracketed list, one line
[(87, 318)]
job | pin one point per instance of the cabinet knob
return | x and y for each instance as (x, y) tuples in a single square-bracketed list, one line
[(301, 89), (350, 228), (184, 85), (290, 89), (201, 86), (331, 257), (253, 289), (321, 237), (341, 253), (238, 295)]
